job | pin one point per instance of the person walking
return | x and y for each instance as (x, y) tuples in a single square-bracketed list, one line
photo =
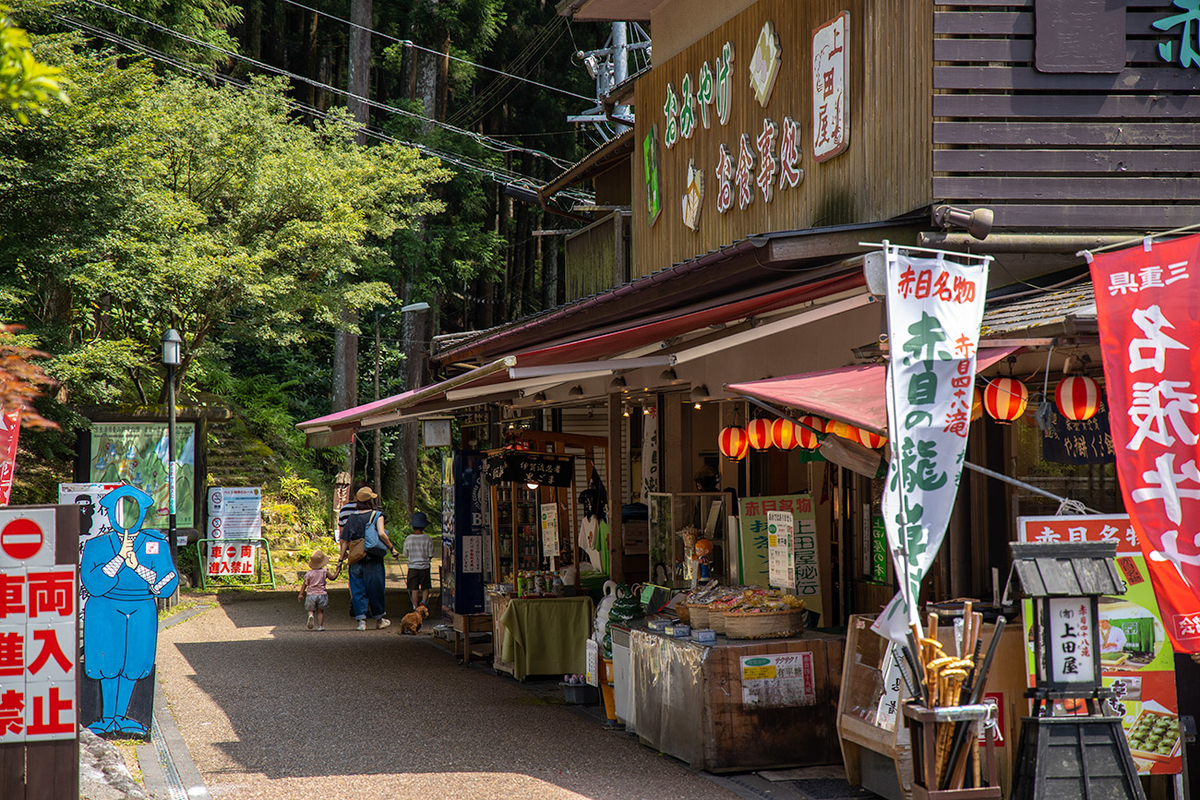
[(314, 592), (367, 576), (418, 550)]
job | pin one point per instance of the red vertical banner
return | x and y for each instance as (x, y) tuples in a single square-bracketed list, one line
[(1148, 309), (10, 428)]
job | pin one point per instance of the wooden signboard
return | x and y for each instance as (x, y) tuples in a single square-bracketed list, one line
[(526, 466)]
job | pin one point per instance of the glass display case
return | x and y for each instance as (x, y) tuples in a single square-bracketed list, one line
[(705, 512), (517, 537)]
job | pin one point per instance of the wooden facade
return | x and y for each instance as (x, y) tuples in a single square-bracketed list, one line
[(597, 257), (884, 172), (1063, 150)]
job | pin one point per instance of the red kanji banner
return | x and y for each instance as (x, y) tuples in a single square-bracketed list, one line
[(1148, 308), (10, 428)]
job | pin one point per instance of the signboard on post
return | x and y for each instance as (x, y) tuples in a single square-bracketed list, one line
[(234, 516), (1135, 659), (754, 544), (39, 751)]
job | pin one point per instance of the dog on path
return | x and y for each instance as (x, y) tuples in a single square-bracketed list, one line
[(411, 623)]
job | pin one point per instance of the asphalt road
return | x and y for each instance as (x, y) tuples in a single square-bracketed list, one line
[(274, 711)]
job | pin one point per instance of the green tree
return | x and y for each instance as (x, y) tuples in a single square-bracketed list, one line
[(26, 85), (154, 203)]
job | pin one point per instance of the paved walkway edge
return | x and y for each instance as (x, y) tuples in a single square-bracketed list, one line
[(168, 771)]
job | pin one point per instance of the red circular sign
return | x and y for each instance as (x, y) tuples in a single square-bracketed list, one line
[(21, 539)]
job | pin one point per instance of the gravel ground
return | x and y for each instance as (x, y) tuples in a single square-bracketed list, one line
[(271, 710)]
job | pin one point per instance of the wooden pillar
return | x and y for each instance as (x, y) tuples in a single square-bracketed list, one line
[(616, 462), (673, 456)]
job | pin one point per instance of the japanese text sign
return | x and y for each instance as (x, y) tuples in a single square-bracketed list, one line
[(1136, 661), (231, 557), (781, 559), (1149, 316), (934, 311), (756, 513), (830, 68), (38, 614), (1072, 659)]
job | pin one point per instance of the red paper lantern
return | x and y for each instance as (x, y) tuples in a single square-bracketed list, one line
[(783, 434), (842, 429), (871, 439), (806, 438), (976, 405), (733, 443), (1077, 397), (1005, 399), (759, 433)]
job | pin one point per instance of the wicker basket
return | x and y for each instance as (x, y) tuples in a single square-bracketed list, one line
[(763, 624), (716, 620), (684, 612), (699, 616)]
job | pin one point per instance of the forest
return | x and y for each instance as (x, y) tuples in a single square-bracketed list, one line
[(274, 180)]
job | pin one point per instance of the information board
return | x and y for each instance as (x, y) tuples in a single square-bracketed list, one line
[(234, 515), (778, 681), (755, 544), (136, 453), (781, 558)]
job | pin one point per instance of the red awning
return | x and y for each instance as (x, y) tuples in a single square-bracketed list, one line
[(850, 394)]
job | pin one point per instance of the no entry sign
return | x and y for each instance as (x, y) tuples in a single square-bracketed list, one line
[(26, 538)]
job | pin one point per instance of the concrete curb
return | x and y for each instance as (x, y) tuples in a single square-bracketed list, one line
[(185, 783)]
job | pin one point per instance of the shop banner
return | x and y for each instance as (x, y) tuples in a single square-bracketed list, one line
[(934, 309), (1136, 660), (755, 544), (1148, 309), (10, 429)]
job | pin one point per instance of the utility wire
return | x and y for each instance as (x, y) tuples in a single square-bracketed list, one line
[(499, 175), (500, 147), (415, 46)]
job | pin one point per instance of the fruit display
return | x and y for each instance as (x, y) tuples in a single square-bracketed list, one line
[(1154, 734)]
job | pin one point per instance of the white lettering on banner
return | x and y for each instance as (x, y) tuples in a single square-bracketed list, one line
[(1170, 552), (768, 164), (724, 180), (1156, 404), (744, 176), (1164, 485), (935, 307), (790, 174), (1123, 282), (1152, 322)]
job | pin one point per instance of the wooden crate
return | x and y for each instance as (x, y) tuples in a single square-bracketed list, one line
[(738, 737)]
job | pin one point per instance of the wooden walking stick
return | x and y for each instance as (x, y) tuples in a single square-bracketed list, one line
[(961, 729)]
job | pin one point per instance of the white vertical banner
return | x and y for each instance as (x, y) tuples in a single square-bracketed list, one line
[(935, 307), (781, 557)]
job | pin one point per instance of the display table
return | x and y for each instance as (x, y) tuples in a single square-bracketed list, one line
[(541, 636), (739, 704), (464, 626)]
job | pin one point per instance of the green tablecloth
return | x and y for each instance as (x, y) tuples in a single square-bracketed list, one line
[(546, 636)]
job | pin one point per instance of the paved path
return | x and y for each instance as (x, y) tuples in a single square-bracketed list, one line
[(273, 711)]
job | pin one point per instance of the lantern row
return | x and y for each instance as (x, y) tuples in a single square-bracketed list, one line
[(1004, 399)]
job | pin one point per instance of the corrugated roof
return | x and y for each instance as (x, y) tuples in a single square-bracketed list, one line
[(1051, 308)]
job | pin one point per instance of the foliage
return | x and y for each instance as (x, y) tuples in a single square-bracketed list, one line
[(26, 84), (20, 378), (156, 203)]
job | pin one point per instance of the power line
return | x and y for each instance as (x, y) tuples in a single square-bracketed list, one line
[(415, 46), (490, 144), (500, 175)]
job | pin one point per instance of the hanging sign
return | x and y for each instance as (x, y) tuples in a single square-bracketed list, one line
[(934, 310), (1136, 659), (526, 466), (1148, 311)]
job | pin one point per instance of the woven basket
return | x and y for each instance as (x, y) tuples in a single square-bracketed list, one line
[(763, 624), (699, 615), (684, 612), (716, 620)]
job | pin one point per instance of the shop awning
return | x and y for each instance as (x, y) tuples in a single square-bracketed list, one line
[(850, 394)]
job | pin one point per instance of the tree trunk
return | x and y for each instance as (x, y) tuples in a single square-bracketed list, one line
[(360, 63), (314, 95), (252, 29), (549, 271)]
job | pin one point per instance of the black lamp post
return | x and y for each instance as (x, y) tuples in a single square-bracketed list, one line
[(171, 343)]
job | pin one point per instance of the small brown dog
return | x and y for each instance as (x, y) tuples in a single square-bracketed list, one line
[(411, 623)]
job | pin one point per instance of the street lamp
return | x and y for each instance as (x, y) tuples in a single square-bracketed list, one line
[(171, 342)]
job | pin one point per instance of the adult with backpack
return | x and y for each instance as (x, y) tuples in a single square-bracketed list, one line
[(365, 544)]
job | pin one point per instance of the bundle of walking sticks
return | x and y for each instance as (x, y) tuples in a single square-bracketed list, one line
[(947, 681)]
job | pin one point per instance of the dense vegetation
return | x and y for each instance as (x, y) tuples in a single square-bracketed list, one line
[(188, 184)]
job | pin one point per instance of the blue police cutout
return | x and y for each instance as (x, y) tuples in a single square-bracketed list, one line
[(123, 572)]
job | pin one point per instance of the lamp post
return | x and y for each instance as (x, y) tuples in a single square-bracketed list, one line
[(171, 343)]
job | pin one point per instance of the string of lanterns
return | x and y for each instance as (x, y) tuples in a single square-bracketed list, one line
[(1004, 399)]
